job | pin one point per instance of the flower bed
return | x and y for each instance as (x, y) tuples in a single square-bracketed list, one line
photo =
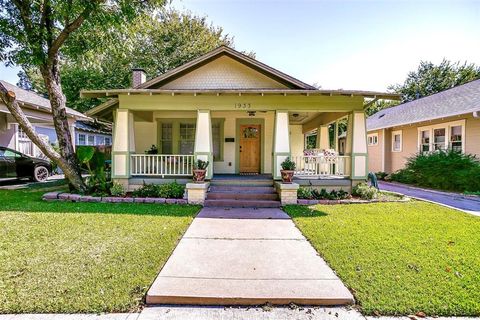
[(64, 196), (382, 197)]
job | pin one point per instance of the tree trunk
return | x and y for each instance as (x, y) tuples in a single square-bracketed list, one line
[(66, 160)]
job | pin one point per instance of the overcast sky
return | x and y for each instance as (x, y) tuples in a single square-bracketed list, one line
[(365, 45)]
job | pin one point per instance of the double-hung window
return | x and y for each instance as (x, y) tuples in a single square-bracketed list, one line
[(187, 138), (166, 137), (397, 141), (372, 139), (449, 135), (456, 138), (82, 139)]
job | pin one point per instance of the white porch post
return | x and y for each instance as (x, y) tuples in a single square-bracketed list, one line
[(71, 126), (323, 141), (358, 145), (281, 141), (123, 145), (203, 140)]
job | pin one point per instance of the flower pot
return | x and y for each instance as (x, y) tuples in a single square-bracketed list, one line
[(287, 176), (199, 175)]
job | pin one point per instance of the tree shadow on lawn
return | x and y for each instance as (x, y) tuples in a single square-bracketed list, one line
[(31, 201), (297, 211)]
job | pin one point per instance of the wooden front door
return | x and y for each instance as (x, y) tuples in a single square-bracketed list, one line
[(250, 148)]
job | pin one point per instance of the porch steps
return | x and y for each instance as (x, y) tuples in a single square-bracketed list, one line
[(246, 193)]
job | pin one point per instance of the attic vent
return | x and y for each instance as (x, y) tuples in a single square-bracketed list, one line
[(381, 116)]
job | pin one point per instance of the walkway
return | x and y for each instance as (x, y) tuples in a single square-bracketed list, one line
[(455, 200), (245, 256)]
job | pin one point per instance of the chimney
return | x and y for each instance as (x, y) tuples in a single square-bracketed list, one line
[(138, 77)]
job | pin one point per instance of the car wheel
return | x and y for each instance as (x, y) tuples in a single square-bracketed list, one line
[(40, 174)]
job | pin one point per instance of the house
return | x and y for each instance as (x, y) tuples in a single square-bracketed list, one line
[(446, 120), (92, 133), (243, 116), (37, 109)]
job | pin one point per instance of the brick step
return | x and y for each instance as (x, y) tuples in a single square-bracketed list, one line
[(242, 196), (242, 183), (242, 203), (241, 189)]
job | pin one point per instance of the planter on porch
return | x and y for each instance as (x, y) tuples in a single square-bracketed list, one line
[(288, 169), (200, 171)]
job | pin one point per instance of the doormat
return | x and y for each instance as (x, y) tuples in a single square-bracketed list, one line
[(249, 173)]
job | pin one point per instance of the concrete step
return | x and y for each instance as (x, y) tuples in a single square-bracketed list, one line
[(242, 203), (241, 189), (244, 196)]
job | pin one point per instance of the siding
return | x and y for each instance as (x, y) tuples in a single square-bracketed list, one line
[(223, 73), (375, 153)]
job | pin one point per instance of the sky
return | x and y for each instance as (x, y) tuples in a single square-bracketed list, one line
[(362, 45)]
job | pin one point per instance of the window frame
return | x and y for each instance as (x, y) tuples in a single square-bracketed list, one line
[(372, 136), (400, 134), (85, 139)]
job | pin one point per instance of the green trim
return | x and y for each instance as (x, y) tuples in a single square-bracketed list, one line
[(247, 121), (352, 176), (127, 165)]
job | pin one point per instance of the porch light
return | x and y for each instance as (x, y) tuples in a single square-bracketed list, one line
[(251, 113)]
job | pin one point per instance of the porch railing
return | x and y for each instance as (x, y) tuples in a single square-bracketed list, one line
[(322, 166), (161, 165)]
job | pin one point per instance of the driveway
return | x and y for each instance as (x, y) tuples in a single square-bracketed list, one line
[(246, 256), (469, 204)]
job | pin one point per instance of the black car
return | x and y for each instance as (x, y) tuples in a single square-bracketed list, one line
[(15, 165)]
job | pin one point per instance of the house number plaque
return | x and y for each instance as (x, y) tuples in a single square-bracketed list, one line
[(242, 105)]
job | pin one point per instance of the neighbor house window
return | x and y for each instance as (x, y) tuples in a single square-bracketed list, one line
[(439, 138), (372, 139), (456, 138), (187, 138), (100, 140), (108, 141), (166, 138), (425, 140), (397, 141), (91, 140), (82, 140)]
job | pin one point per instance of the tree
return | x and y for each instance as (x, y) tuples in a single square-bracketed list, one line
[(155, 42), (427, 80), (36, 34)]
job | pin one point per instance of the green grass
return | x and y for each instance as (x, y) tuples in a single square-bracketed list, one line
[(82, 257), (400, 258)]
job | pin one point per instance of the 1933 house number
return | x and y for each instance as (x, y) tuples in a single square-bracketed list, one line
[(242, 106)]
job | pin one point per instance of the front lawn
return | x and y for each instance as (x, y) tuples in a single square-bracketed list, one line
[(399, 258), (82, 257)]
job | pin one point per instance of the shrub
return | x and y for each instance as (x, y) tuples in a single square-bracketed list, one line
[(305, 193), (445, 170), (381, 175), (153, 150), (167, 190), (200, 165), (364, 191), (288, 164), (98, 182), (117, 190)]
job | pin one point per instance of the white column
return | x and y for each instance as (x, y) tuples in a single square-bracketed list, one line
[(281, 141), (123, 144), (71, 126), (203, 140), (323, 141), (359, 146)]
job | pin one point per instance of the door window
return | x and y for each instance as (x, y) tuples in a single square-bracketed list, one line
[(250, 133)]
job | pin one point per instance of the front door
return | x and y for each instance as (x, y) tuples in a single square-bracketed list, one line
[(250, 148)]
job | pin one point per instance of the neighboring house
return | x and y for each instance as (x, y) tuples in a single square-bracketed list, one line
[(92, 133), (240, 114), (446, 120), (38, 111)]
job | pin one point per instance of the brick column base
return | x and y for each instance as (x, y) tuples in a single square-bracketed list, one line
[(197, 192), (287, 192)]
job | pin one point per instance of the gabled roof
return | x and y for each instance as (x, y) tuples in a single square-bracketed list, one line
[(275, 74), (451, 102), (36, 101), (94, 126)]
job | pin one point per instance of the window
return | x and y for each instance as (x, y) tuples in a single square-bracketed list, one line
[(456, 138), (397, 141), (108, 141), (82, 140), (439, 139), (187, 138), (100, 140), (425, 140), (217, 139), (22, 134), (166, 138), (91, 140), (372, 139)]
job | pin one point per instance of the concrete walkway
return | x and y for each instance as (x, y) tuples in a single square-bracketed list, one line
[(453, 200), (245, 256)]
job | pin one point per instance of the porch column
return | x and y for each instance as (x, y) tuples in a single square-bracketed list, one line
[(359, 169), (203, 140), (323, 141), (123, 145), (281, 141)]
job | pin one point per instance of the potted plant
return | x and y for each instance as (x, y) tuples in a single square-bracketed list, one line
[(199, 170), (288, 168)]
